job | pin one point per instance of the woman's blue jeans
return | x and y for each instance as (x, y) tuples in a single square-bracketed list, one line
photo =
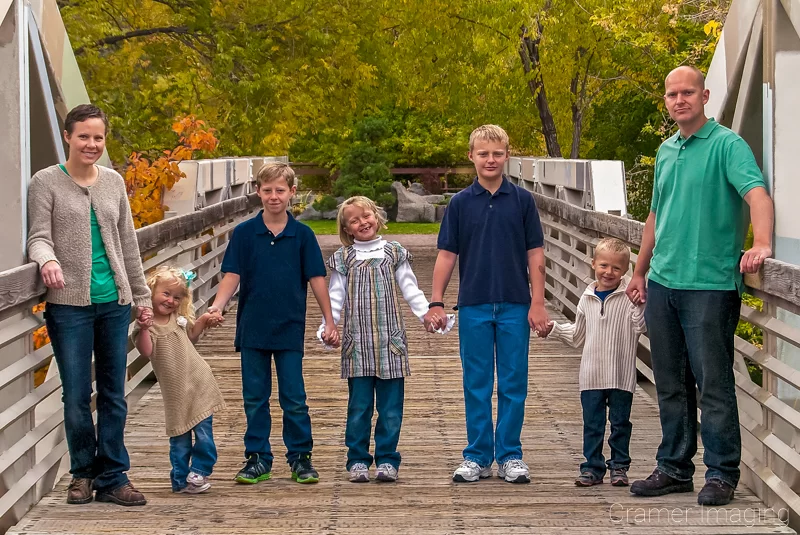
[(76, 331)]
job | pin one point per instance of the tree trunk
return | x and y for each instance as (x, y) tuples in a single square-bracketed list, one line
[(578, 102), (529, 54)]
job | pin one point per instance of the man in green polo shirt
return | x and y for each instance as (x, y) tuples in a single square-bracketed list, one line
[(691, 245)]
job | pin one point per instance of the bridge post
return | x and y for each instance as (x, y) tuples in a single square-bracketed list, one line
[(14, 155)]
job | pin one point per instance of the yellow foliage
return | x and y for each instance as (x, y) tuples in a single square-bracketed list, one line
[(147, 180)]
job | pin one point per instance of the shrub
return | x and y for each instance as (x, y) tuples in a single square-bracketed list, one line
[(326, 203)]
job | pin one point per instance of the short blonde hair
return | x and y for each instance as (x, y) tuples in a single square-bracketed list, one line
[(274, 171), (613, 246), (172, 275), (488, 132), (364, 203)]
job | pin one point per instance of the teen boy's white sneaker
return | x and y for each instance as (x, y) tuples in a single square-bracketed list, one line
[(386, 472), (359, 473), (514, 471), (470, 471)]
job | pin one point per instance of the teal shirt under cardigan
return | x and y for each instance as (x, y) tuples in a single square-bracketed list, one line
[(701, 217), (103, 288)]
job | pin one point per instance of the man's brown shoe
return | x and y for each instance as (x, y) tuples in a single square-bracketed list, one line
[(79, 490), (124, 495)]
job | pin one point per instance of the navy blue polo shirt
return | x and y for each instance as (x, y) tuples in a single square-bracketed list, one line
[(492, 234), (274, 272)]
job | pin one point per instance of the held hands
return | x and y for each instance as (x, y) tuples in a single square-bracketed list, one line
[(215, 316), (144, 315), (52, 275), (538, 319), (547, 331), (436, 318), (751, 260), (330, 336), (209, 320), (637, 290)]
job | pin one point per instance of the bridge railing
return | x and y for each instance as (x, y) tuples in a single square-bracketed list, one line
[(769, 417), (29, 465)]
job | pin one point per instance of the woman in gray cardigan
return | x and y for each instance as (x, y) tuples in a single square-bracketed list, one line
[(82, 236)]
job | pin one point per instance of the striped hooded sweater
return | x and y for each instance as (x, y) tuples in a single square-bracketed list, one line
[(609, 332)]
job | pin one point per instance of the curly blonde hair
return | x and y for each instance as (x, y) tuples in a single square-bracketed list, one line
[(172, 275), (364, 203)]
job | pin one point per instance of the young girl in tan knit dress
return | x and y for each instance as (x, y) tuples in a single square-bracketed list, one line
[(191, 395)]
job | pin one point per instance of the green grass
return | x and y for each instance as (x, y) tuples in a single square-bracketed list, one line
[(329, 227)]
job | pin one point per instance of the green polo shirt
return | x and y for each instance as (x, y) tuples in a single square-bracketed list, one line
[(701, 217)]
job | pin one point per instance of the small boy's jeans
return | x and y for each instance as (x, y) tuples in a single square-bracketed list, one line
[(257, 389), (186, 457), (494, 334), (365, 394), (594, 404)]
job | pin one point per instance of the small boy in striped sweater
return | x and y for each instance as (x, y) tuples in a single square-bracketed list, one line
[(608, 325)]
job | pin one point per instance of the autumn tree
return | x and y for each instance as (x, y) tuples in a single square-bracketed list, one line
[(147, 179)]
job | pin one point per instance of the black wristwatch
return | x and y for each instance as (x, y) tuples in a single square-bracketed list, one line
[(435, 304)]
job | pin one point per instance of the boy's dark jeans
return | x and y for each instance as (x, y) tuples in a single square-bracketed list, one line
[(594, 404), (75, 331), (691, 339), (365, 394), (256, 390)]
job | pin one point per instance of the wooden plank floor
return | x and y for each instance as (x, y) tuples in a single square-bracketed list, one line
[(424, 500)]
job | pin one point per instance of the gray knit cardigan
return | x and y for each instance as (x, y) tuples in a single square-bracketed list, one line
[(60, 229)]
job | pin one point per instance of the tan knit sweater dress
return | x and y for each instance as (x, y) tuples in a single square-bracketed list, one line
[(188, 386)]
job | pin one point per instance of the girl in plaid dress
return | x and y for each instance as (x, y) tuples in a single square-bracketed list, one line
[(368, 277)]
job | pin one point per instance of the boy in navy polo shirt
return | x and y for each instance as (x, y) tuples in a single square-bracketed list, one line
[(493, 229), (273, 258)]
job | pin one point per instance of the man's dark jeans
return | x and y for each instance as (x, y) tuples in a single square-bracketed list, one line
[(691, 339), (75, 331)]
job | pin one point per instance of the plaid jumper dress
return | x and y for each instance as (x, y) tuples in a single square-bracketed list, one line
[(373, 333)]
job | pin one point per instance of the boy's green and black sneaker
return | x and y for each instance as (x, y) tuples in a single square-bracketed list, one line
[(255, 469), (303, 472)]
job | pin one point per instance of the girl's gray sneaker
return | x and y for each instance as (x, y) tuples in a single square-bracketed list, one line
[(386, 472), (359, 473)]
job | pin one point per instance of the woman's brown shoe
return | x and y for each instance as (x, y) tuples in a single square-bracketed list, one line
[(79, 490), (124, 495)]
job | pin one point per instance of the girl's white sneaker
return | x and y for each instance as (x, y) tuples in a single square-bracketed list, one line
[(386, 472), (359, 473)]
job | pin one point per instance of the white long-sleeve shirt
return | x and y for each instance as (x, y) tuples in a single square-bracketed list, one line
[(404, 275), (609, 332)]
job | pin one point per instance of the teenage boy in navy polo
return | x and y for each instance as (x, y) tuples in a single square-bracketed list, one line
[(493, 229), (274, 258)]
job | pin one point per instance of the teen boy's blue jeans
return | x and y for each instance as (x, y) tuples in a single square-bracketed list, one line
[(186, 457), (365, 394), (257, 389), (75, 331), (594, 404), (691, 340), (494, 334)]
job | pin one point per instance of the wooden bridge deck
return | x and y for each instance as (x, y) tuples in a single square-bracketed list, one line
[(424, 500)]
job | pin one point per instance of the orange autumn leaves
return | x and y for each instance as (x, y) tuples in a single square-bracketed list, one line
[(147, 180)]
